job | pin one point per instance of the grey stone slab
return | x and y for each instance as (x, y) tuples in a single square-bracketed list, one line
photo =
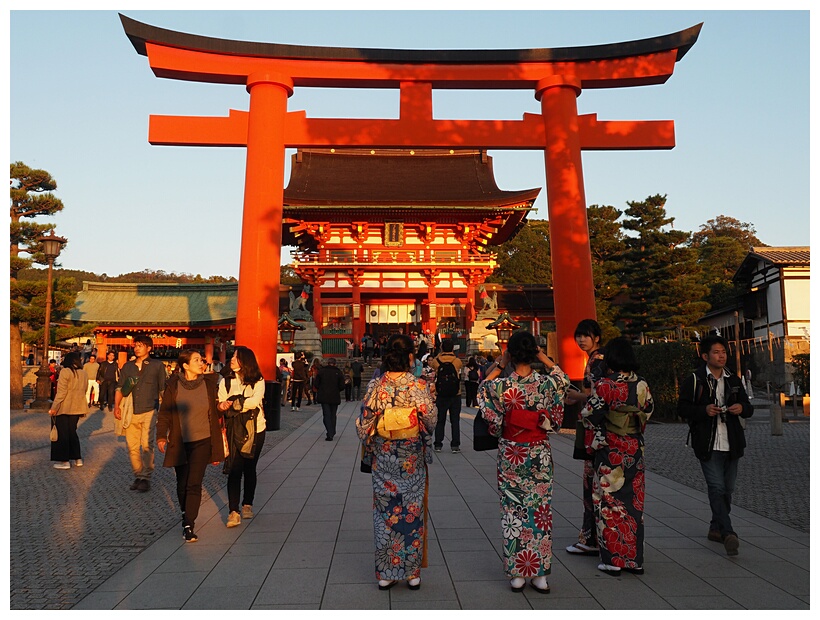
[(132, 573), (784, 575), (305, 555), (101, 599), (465, 540), (211, 596), (358, 567), (624, 592), (269, 522), (193, 557), (155, 593), (551, 601), (323, 512), (702, 602), (489, 594), (801, 559), (475, 565), (754, 593), (425, 604), (292, 586), (671, 579), (436, 584), (285, 505), (240, 571), (313, 531), (257, 547), (288, 607), (319, 499), (355, 596), (249, 537)]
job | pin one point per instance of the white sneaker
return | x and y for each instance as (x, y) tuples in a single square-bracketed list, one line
[(62, 465), (78, 463), (234, 519)]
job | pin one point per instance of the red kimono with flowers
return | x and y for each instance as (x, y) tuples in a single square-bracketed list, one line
[(616, 415)]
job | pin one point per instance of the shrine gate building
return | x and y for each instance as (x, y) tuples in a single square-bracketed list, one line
[(396, 240)]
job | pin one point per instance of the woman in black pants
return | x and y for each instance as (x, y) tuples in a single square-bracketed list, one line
[(189, 432), (248, 387)]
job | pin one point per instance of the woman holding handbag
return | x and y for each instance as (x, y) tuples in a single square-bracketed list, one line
[(395, 424), (68, 406), (189, 432), (243, 392), (520, 409)]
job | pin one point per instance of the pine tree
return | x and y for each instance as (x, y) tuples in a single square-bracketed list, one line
[(31, 196), (606, 241), (661, 273), (525, 259), (722, 244)]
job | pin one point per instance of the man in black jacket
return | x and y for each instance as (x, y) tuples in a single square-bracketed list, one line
[(713, 401), (329, 383)]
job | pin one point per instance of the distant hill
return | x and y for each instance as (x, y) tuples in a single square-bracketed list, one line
[(136, 276)]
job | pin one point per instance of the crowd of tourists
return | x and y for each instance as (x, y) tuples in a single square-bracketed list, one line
[(197, 416)]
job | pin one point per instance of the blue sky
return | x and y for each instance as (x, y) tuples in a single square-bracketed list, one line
[(81, 97)]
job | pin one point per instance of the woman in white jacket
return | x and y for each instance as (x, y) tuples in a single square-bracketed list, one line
[(68, 405), (248, 387)]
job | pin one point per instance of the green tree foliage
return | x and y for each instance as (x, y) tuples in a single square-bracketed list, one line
[(722, 244), (525, 259), (288, 276), (802, 371), (660, 271), (606, 242), (664, 366), (31, 196)]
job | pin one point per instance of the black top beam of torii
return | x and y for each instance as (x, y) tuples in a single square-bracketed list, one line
[(140, 34)]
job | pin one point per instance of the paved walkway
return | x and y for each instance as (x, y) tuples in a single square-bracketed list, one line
[(310, 544)]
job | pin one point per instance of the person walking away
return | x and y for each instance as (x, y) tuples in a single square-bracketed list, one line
[(107, 376), (448, 395), (329, 382), (367, 346), (520, 409), (284, 378), (189, 432), (68, 407), (471, 380), (247, 388), (348, 374), (298, 380), (395, 423), (92, 392), (148, 379), (588, 339), (614, 422), (356, 369), (714, 402)]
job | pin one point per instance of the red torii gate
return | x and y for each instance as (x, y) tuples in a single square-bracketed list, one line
[(271, 71)]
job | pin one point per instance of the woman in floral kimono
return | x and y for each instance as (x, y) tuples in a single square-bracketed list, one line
[(398, 455), (520, 409), (615, 418)]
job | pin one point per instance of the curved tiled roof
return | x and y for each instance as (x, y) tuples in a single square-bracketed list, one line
[(116, 303), (789, 255), (397, 178)]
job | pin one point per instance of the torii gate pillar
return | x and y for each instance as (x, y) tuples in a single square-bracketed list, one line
[(571, 267), (257, 306)]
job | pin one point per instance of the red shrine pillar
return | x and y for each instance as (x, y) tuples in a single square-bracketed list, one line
[(317, 303), (569, 232), (432, 319), (357, 310), (258, 296)]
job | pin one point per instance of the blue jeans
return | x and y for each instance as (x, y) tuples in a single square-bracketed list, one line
[(453, 405), (720, 472)]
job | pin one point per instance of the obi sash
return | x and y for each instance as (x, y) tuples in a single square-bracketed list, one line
[(521, 426)]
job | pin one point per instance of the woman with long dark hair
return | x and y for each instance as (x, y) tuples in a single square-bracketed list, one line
[(520, 409), (615, 417), (395, 424), (189, 432), (247, 387), (68, 406)]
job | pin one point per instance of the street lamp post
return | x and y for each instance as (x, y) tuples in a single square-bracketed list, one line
[(504, 327), (52, 244)]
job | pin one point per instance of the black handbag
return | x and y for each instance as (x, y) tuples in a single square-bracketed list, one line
[(579, 451), (482, 440)]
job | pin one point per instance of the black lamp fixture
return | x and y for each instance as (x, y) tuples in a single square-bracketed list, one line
[(287, 329), (504, 327)]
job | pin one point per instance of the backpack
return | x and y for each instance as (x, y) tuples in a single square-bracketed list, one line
[(447, 382), (472, 376)]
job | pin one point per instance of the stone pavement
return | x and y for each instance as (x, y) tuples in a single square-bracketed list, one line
[(80, 539)]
